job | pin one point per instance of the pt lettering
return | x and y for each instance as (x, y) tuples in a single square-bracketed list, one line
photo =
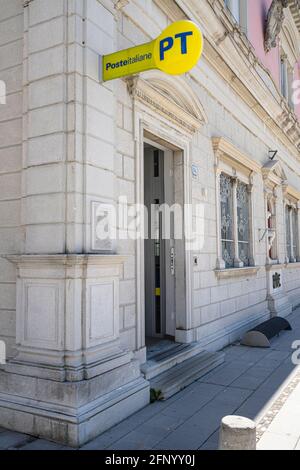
[(183, 37), (167, 43)]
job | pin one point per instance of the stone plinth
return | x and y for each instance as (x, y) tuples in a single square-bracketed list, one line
[(70, 379)]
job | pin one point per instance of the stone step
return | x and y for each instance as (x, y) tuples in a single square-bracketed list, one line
[(181, 375), (168, 358)]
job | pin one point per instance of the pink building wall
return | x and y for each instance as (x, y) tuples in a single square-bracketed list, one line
[(257, 15), (297, 77)]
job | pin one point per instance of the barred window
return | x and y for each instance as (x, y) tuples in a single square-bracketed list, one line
[(239, 11), (295, 232), (235, 8), (243, 222), (286, 79), (272, 234), (292, 233), (235, 230), (227, 220), (288, 232)]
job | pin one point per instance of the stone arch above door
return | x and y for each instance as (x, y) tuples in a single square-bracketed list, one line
[(171, 97)]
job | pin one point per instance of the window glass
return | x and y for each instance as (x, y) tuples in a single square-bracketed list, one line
[(283, 77), (243, 222), (234, 7), (288, 232), (272, 229), (227, 239), (295, 232)]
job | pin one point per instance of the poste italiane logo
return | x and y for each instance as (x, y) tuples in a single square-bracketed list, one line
[(176, 51)]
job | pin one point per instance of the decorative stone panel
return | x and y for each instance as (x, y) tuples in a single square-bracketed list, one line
[(67, 315), (40, 313), (102, 318)]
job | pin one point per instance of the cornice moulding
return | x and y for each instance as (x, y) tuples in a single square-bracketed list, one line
[(173, 11), (292, 265), (223, 146), (244, 72), (272, 178), (121, 4), (275, 267), (290, 39), (273, 172), (295, 9), (237, 272), (291, 191), (65, 260)]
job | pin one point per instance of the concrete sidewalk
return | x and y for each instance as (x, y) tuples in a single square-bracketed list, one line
[(261, 384)]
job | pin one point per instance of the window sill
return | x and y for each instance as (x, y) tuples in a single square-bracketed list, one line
[(272, 267), (293, 265), (274, 264), (236, 272)]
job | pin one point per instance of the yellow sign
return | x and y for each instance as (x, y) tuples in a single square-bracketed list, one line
[(176, 51)]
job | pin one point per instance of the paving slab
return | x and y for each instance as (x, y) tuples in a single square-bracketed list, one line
[(212, 442), (256, 404), (254, 355), (195, 431), (126, 426), (150, 433), (193, 401), (226, 374), (234, 352), (9, 439), (42, 444), (255, 383), (276, 355), (253, 378)]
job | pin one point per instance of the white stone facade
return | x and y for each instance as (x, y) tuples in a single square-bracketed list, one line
[(71, 307)]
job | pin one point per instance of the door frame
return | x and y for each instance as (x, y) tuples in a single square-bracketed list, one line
[(167, 279), (149, 127)]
